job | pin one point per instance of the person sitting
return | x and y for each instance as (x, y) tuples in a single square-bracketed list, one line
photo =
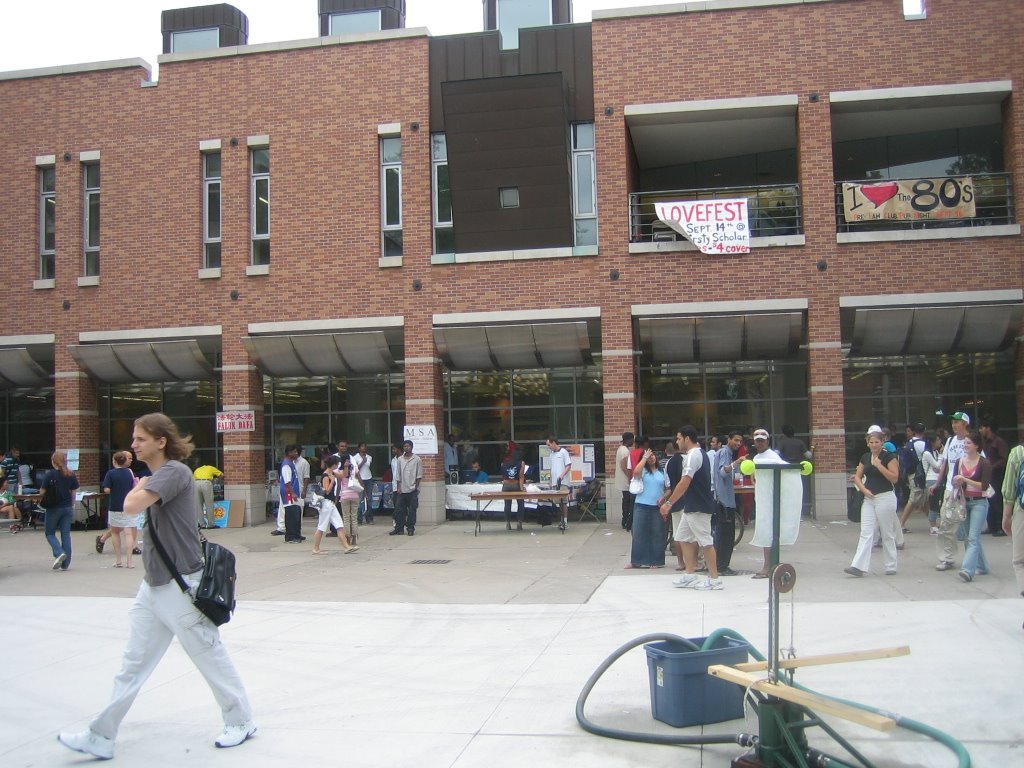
[(477, 475), (8, 508)]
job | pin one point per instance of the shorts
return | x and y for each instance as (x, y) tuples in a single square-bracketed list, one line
[(122, 520), (694, 527), (918, 497), (329, 515)]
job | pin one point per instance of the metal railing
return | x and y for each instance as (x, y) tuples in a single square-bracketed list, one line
[(993, 200), (773, 210)]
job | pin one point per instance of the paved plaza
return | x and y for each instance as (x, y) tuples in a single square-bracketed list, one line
[(446, 650)]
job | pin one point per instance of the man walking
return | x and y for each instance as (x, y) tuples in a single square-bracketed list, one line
[(694, 488), (407, 490), (945, 542)]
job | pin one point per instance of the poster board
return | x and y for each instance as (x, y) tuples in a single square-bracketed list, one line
[(582, 456)]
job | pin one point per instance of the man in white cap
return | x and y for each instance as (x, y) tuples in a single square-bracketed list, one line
[(945, 542), (763, 521)]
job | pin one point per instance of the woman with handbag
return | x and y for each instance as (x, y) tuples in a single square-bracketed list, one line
[(973, 478), (648, 548), (161, 610), (329, 514), (875, 477), (349, 490)]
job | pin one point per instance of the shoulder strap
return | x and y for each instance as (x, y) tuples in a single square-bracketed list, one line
[(182, 584)]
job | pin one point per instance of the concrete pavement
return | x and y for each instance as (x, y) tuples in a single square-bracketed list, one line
[(452, 651)]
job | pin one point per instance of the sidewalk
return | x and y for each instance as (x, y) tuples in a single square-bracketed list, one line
[(452, 651)]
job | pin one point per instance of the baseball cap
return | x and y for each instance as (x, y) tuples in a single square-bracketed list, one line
[(961, 416), (874, 429), (761, 434)]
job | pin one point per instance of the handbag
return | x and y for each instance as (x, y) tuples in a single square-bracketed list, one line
[(954, 506), (636, 486), (214, 596)]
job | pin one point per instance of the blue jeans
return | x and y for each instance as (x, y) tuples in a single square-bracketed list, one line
[(61, 518), (977, 517)]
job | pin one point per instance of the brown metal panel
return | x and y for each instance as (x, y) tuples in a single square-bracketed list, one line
[(232, 23), (509, 132), (561, 11)]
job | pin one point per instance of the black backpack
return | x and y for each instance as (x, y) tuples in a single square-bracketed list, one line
[(910, 463)]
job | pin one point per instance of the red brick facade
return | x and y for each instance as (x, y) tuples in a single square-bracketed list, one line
[(321, 107)]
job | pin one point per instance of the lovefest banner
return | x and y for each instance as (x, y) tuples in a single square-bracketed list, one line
[(909, 200), (714, 226)]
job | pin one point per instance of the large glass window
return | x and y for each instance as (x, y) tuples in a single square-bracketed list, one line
[(353, 22), (486, 409), (260, 206), (47, 221), (717, 398), (211, 210), (584, 183), (192, 404), (391, 195), (91, 205), (444, 232), (319, 411), (513, 15), (27, 423), (896, 391)]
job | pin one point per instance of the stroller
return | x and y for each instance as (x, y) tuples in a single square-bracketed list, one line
[(588, 498)]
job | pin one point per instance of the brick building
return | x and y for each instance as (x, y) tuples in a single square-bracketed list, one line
[(462, 231)]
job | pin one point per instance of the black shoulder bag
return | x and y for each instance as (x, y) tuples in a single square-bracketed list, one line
[(215, 594)]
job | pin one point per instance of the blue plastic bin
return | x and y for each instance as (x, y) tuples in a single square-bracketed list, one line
[(683, 693)]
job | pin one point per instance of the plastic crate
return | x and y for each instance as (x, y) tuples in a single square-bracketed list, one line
[(683, 693)]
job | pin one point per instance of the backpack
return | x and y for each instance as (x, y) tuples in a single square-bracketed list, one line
[(49, 500), (909, 462), (919, 473), (1020, 486)]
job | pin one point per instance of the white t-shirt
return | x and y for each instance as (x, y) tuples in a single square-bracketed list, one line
[(364, 468), (302, 472), (692, 461), (559, 462), (954, 452), (621, 478)]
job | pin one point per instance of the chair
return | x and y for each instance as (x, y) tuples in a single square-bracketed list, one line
[(588, 498)]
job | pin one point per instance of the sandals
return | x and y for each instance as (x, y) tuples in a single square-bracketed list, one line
[(350, 550)]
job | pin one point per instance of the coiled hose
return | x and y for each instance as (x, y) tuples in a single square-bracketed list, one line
[(963, 758)]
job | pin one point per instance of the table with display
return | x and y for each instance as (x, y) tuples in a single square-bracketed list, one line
[(488, 496)]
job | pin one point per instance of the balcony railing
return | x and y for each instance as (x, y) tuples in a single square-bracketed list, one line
[(993, 200), (773, 210)]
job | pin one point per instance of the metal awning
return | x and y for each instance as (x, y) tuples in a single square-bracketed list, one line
[(933, 330), (710, 338), (321, 354), (515, 345), (146, 361), (18, 369)]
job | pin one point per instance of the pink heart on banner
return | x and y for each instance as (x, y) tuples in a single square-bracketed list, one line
[(879, 193)]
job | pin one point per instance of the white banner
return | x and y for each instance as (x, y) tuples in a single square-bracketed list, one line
[(424, 438), (714, 226), (236, 421)]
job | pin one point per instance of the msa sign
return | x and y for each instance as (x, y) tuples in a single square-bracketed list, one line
[(714, 226), (236, 421)]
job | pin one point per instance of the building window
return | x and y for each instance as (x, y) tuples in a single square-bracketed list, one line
[(195, 40), (513, 15), (508, 197), (91, 173), (211, 210), (350, 23), (47, 221), (584, 184), (260, 213), (444, 232), (391, 194)]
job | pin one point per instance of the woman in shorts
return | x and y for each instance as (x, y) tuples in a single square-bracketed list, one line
[(329, 514), (116, 483)]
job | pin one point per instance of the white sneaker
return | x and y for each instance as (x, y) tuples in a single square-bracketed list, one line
[(88, 742), (58, 560), (934, 531), (233, 735), (686, 581), (709, 583)]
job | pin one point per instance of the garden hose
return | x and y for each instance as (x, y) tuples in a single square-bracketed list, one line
[(964, 759)]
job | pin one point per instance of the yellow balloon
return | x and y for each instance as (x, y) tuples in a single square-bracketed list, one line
[(747, 466), (806, 468)]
